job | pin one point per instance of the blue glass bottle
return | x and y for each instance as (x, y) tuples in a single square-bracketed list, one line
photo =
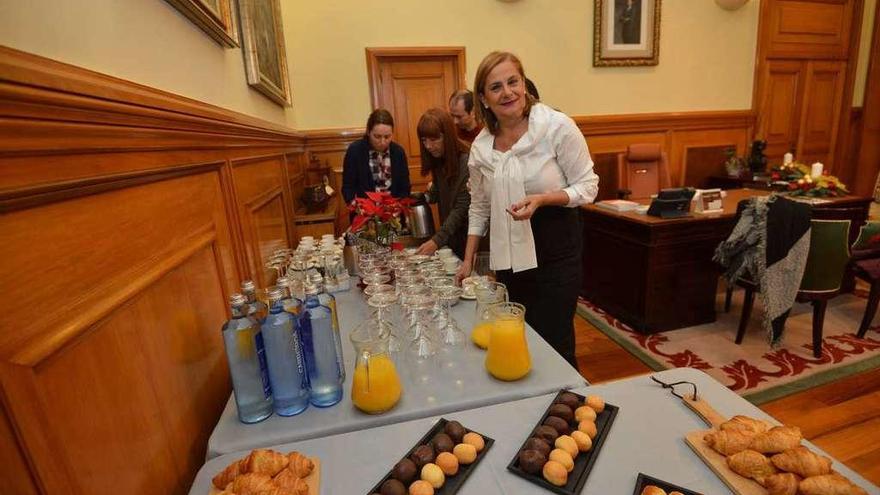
[(257, 309), (284, 355), (290, 303), (319, 339), (329, 300), (247, 363)]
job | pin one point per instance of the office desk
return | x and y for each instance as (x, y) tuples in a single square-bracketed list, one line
[(656, 275)]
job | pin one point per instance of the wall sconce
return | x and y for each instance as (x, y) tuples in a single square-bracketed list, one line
[(731, 4)]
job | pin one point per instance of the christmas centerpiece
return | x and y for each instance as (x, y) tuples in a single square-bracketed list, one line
[(798, 179), (378, 217)]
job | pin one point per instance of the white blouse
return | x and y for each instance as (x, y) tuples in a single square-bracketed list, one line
[(551, 156)]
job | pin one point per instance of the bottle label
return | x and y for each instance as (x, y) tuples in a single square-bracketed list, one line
[(298, 352), (306, 338), (333, 318), (264, 368)]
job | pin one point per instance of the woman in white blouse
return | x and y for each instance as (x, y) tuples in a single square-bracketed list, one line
[(530, 170)]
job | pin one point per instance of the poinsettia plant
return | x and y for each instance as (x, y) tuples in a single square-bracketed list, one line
[(378, 216), (799, 182)]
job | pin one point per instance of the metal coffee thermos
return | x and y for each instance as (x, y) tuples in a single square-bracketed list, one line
[(420, 218)]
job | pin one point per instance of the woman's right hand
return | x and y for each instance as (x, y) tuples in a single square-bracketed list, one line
[(464, 271)]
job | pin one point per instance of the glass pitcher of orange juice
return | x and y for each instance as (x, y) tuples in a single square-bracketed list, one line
[(487, 293), (508, 357), (375, 387)]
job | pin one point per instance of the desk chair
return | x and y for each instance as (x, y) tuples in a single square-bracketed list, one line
[(865, 264), (642, 171), (823, 276)]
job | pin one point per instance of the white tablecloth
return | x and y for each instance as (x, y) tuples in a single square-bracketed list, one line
[(471, 387), (647, 436)]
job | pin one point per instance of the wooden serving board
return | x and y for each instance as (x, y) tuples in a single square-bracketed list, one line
[(718, 464), (313, 480)]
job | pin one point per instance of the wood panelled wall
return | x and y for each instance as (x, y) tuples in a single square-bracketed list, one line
[(128, 216), (695, 143)]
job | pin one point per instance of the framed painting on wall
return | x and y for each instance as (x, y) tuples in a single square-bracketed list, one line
[(215, 17), (265, 57), (626, 33)]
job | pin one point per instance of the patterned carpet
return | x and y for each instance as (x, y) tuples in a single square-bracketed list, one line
[(753, 369)]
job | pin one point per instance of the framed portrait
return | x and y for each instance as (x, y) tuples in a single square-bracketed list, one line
[(626, 33), (265, 58), (215, 17)]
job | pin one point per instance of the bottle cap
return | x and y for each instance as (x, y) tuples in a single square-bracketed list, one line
[(282, 281), (275, 293), (237, 299), (312, 289), (248, 286)]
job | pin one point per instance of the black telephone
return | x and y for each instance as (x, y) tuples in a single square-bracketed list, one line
[(672, 203)]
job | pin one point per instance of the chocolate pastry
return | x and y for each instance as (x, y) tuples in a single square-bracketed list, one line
[(531, 461), (424, 454), (442, 443), (455, 431), (562, 411), (559, 424), (546, 433), (538, 444), (405, 471), (393, 487), (570, 400)]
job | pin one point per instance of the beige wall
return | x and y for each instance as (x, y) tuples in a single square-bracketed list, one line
[(145, 41), (864, 52), (706, 54)]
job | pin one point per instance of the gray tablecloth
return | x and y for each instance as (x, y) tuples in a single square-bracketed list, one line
[(647, 436), (445, 392)]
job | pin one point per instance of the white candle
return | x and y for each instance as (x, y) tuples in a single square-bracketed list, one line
[(787, 158), (816, 169)]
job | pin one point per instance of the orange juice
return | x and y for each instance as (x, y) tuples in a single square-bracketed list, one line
[(480, 334), (377, 390), (508, 357)]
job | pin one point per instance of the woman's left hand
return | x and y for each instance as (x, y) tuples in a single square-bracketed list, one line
[(427, 248), (524, 209)]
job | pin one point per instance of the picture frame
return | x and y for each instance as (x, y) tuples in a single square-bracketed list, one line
[(265, 56), (217, 18), (626, 33)]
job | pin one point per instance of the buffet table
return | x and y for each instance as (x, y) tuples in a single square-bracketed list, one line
[(467, 387), (647, 436)]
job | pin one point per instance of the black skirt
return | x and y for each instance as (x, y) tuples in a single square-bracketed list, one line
[(550, 291)]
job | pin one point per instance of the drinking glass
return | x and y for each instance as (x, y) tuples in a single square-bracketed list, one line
[(482, 267)]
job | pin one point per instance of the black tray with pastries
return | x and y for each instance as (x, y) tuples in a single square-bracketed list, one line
[(644, 480), (583, 464), (453, 483)]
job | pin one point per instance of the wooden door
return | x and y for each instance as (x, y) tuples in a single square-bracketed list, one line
[(780, 106), (820, 111), (408, 81)]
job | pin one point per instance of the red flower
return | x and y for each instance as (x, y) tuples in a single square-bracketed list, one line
[(775, 176)]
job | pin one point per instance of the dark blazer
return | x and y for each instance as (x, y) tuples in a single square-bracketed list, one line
[(357, 178)]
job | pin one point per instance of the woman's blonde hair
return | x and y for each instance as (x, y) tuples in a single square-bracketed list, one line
[(491, 61)]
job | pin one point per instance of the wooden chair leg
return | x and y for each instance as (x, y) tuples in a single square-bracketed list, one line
[(728, 295), (748, 301), (818, 322), (870, 309)]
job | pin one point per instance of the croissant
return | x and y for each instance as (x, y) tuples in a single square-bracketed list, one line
[(226, 476), (745, 423), (777, 439), (829, 484), (782, 484), (727, 442), (282, 491), (802, 461), (301, 465), (751, 464), (265, 462), (252, 484), (291, 483), (653, 490)]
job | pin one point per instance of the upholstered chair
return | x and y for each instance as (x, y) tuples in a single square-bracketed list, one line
[(865, 264), (642, 171)]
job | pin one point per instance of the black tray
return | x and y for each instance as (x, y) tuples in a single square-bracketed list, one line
[(644, 480), (585, 460), (453, 483)]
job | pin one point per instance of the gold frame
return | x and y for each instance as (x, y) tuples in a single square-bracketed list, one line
[(604, 60), (257, 80), (221, 25)]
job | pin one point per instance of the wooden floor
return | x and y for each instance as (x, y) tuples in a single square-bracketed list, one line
[(842, 417)]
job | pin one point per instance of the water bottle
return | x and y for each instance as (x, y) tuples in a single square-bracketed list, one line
[(247, 363), (257, 309), (327, 299), (323, 360), (284, 355), (290, 303)]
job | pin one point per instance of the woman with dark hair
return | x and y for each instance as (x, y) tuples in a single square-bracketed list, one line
[(375, 163), (530, 170), (445, 157)]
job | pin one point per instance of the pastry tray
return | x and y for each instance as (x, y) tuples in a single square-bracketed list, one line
[(644, 480), (585, 460), (453, 483)]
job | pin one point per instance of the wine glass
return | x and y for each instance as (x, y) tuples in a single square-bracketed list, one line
[(422, 350)]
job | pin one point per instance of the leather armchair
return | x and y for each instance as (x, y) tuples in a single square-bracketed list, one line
[(642, 170)]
